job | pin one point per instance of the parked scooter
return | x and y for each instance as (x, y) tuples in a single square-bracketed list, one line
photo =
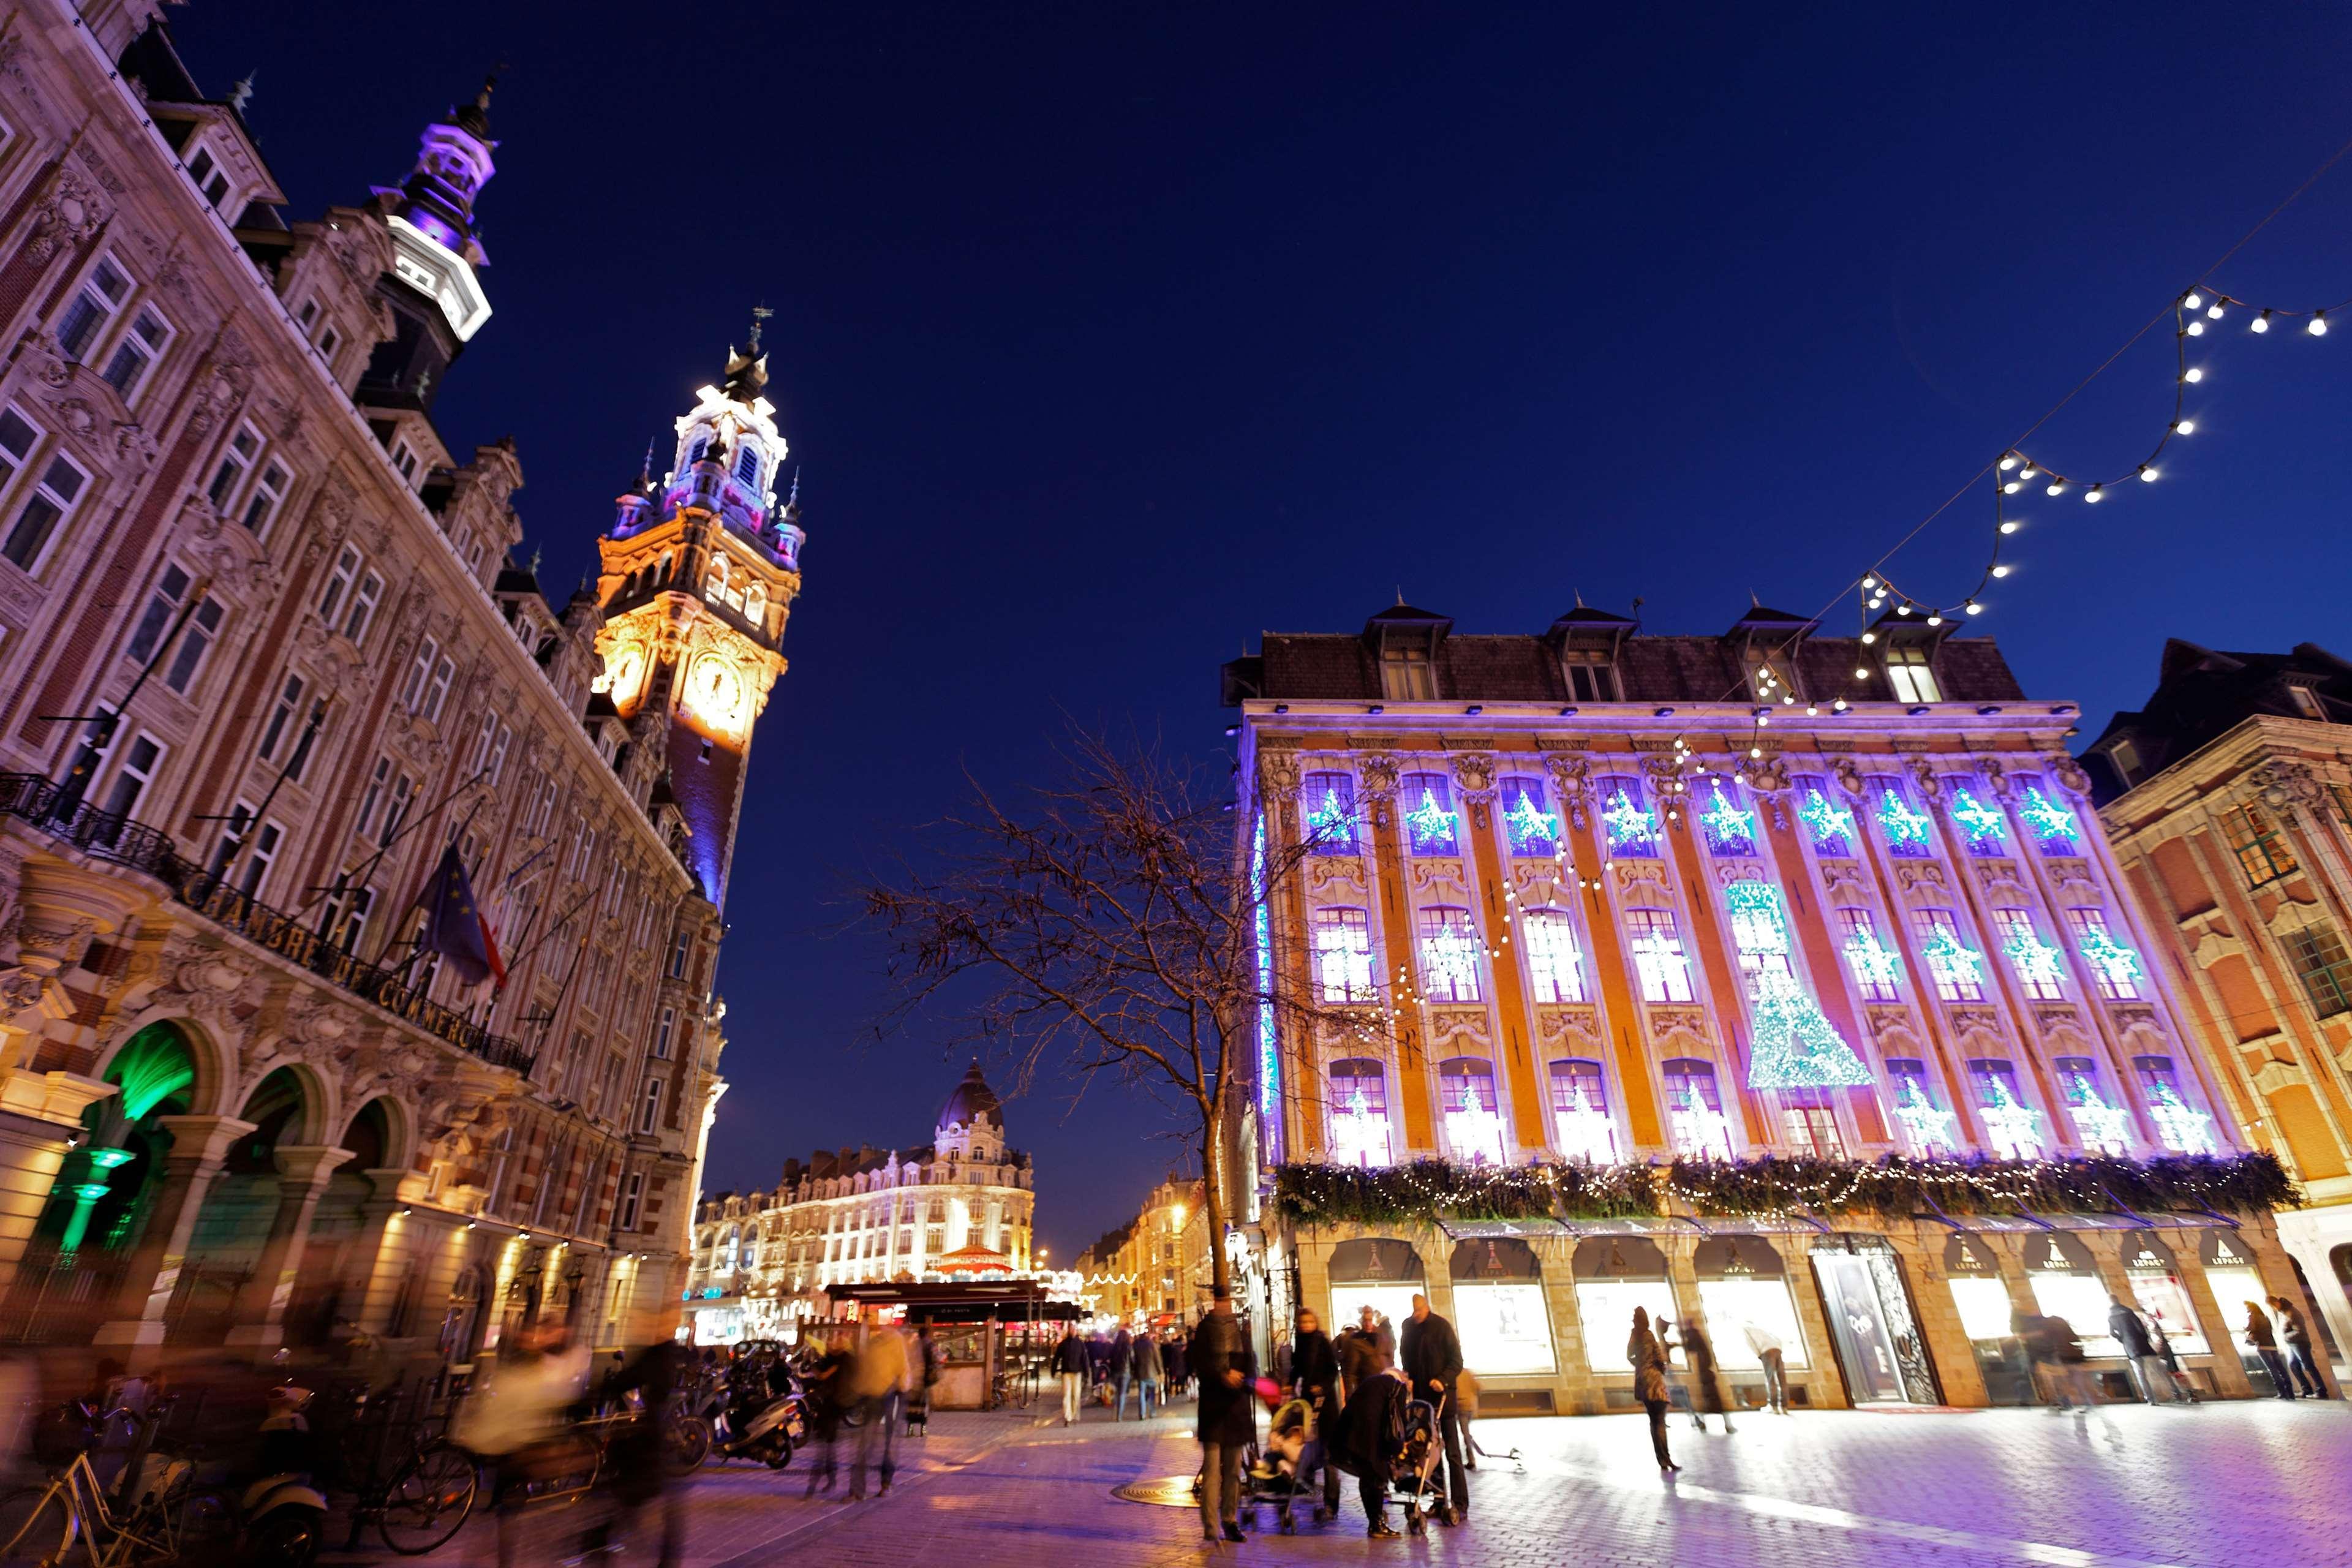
[(756, 1421), (282, 1516)]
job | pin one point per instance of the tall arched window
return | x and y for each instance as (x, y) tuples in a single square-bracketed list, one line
[(1360, 1113), (1449, 948), (755, 601), (715, 587), (662, 572), (1581, 1127), (1694, 1118), (1473, 1121), (747, 465)]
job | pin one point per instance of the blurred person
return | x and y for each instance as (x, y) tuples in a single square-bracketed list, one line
[(1648, 1360), (2259, 1335), (2125, 1327), (2183, 1391), (1383, 1334), (828, 1384), (1120, 1359), (1699, 1372), (1371, 1434), (1465, 1402), (1149, 1370), (1315, 1378), (877, 1382), (1179, 1370), (1228, 1417), (1070, 1365), (1432, 1361), (637, 1457), (512, 1420), (1771, 1353), (2297, 1335), (924, 1374)]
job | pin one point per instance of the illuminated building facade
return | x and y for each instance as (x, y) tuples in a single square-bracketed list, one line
[(263, 660), (964, 1204), (1156, 1269), (1605, 897), (2228, 798)]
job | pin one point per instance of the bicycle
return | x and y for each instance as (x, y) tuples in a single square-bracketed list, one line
[(162, 1523)]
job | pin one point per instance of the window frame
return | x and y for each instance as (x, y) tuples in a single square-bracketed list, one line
[(1359, 982), (2261, 846), (92, 323), (1660, 973), (44, 492), (1916, 681), (121, 767), (149, 353)]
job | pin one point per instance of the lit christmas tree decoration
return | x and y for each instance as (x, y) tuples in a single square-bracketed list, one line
[(2116, 963), (1981, 823), (1929, 1129), (1532, 829), (1584, 1130), (1832, 824), (1431, 825), (1360, 1134), (2041, 966), (2015, 1129), (1729, 829), (1795, 1046), (2184, 1129), (2051, 823), (1472, 1131), (1332, 826), (1630, 827), (1956, 965), (2102, 1125), (1904, 827)]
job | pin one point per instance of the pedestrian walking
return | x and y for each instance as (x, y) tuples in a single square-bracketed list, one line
[(2182, 1390), (1315, 1378), (1122, 1372), (878, 1382), (1648, 1360), (925, 1352), (2125, 1327), (1149, 1370), (1466, 1408), (2297, 1335), (1383, 1335), (1228, 1417), (637, 1455), (828, 1395), (1070, 1365), (1371, 1436), (1769, 1353), (1179, 1366), (512, 1420), (1706, 1387), (1432, 1362), (2259, 1335)]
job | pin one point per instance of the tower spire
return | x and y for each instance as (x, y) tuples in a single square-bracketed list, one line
[(760, 314)]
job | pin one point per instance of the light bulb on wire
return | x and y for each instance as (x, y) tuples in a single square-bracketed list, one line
[(1935, 620), (2261, 323), (2009, 525), (2214, 310), (2008, 462), (2095, 494), (2184, 427), (2318, 328), (2196, 373), (1869, 638), (2196, 329), (2001, 571), (2057, 488), (1975, 608), (2011, 488), (2191, 300)]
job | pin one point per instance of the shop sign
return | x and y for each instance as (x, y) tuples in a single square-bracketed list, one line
[(1737, 1257), (1496, 1257), (1970, 1257), (2147, 1255), (2055, 1252), (2222, 1249), (1375, 1259)]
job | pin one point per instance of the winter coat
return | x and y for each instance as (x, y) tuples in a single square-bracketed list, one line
[(1179, 1370), (1228, 1415), (1315, 1370), (1360, 1357), (2258, 1331), (1371, 1428), (1432, 1354), (1122, 1355), (2125, 1327), (1707, 1389), (1649, 1359), (2292, 1328), (1070, 1355)]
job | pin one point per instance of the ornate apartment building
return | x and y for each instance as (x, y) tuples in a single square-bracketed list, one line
[(263, 664), (963, 1203), (1603, 897), (1156, 1269), (2228, 798)]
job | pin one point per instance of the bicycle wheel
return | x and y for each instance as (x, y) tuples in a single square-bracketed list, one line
[(688, 1444), (34, 1525), (429, 1500)]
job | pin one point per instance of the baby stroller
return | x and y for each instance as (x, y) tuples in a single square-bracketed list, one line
[(1413, 1478), (1287, 1467)]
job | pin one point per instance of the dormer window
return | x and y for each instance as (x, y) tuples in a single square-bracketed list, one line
[(2124, 758), (1911, 675), (1591, 676), (2307, 702), (1407, 674), (208, 178), (1768, 679)]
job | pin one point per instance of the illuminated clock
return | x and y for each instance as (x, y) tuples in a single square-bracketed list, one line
[(718, 691), (628, 669)]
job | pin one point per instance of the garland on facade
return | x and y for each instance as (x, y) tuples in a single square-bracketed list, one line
[(1894, 1187)]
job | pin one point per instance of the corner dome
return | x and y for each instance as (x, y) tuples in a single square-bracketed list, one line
[(971, 1101)]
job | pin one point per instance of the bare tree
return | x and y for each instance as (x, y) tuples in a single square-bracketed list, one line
[(1109, 925)]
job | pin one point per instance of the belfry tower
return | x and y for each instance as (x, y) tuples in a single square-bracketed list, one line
[(701, 569)]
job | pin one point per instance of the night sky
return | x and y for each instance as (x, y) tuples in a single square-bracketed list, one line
[(1111, 335)]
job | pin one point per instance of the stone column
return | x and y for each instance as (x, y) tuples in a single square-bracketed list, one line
[(38, 1111), (2228, 1363), (199, 1144), (381, 1248), (303, 1172)]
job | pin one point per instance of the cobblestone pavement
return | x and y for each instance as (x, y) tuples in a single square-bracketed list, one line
[(2257, 1484)]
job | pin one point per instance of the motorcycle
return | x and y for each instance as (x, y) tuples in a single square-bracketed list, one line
[(753, 1422), (282, 1516)]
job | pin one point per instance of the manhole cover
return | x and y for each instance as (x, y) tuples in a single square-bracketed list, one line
[(1168, 1491)]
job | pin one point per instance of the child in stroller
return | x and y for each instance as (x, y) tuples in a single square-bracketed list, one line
[(1289, 1466), (1414, 1478)]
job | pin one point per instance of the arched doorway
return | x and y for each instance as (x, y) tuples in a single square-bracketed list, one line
[(338, 1266), (98, 1207), (239, 1210)]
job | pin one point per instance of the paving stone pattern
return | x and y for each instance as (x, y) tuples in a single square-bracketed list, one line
[(2254, 1484)]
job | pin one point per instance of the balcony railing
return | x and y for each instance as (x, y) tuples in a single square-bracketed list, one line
[(110, 836)]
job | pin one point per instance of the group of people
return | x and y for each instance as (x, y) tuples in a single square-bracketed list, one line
[(2062, 1373), (1107, 1367), (1357, 1386), (884, 1373), (2294, 1375)]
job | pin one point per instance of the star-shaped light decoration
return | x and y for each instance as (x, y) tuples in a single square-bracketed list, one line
[(2052, 822), (2015, 1129), (1629, 823), (2102, 1125), (2039, 964), (1981, 823), (1905, 827), (1532, 829), (1944, 954), (1729, 828), (1333, 825), (1829, 821), (1431, 825), (1874, 962)]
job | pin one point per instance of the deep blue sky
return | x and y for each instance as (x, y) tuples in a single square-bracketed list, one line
[(1111, 335)]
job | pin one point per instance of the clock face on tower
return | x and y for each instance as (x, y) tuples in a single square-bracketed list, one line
[(718, 691), (628, 669)]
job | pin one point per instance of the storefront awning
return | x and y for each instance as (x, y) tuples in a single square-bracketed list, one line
[(1494, 1229)]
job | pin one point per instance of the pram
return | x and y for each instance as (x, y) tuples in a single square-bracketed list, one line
[(1413, 1478), (1293, 1437)]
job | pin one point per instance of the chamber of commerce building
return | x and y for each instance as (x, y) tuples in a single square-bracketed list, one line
[(359, 905), (1773, 980)]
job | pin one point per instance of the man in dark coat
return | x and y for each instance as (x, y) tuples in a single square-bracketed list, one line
[(1220, 1357), (1315, 1377), (1372, 1436), (1432, 1362), (1122, 1372)]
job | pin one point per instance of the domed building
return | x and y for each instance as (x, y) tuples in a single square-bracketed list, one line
[(959, 1206)]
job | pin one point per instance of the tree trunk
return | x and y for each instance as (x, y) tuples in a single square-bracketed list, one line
[(1213, 1207)]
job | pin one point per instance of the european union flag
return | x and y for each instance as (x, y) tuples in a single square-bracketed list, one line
[(453, 926)]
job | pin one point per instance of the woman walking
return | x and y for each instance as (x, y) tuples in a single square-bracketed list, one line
[(1705, 1388), (2259, 1335), (1649, 1359)]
